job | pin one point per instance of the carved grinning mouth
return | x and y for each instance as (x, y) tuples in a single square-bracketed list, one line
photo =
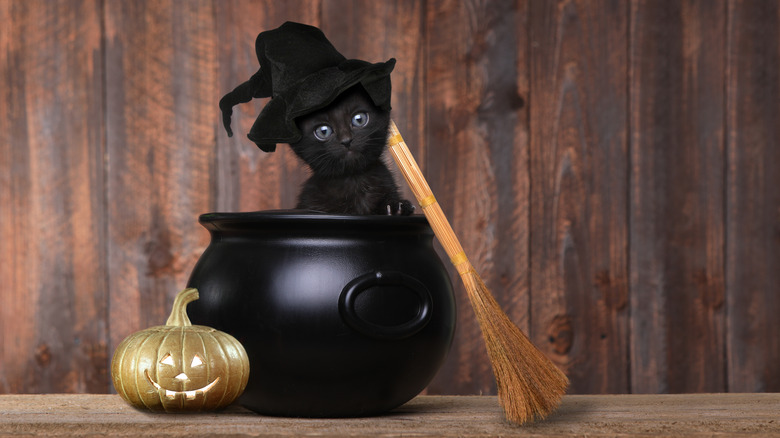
[(190, 395)]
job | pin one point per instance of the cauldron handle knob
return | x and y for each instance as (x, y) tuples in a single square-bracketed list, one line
[(351, 316)]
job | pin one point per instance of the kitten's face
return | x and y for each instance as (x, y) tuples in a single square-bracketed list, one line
[(345, 137)]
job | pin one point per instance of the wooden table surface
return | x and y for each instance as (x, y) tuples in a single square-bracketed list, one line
[(463, 416)]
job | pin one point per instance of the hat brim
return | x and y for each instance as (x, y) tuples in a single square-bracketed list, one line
[(276, 122)]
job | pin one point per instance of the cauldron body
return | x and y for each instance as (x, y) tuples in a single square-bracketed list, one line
[(340, 315)]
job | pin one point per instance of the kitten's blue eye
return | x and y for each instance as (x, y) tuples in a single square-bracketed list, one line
[(323, 132), (360, 120)]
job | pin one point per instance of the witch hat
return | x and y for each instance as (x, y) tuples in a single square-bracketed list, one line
[(302, 72)]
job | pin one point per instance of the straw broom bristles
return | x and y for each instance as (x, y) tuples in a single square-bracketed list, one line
[(529, 385)]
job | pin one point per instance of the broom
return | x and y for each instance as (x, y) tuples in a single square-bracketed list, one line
[(529, 385)]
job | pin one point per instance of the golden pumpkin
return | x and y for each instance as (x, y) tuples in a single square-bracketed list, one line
[(180, 367)]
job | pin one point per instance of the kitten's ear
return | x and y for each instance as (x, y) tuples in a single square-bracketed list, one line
[(380, 90), (256, 86)]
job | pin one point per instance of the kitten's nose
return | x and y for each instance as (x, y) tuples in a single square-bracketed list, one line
[(346, 142)]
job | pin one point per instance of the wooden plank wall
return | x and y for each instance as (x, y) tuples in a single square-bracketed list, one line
[(612, 167)]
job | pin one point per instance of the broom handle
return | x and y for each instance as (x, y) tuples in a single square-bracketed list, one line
[(433, 212)]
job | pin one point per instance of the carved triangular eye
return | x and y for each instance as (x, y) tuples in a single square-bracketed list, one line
[(196, 361), (167, 360)]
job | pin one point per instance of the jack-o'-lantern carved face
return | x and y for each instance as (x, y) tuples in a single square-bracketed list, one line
[(180, 367), (184, 384)]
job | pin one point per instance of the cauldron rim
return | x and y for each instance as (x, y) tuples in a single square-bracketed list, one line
[(215, 221)]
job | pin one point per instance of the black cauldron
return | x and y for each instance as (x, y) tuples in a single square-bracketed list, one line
[(340, 315)]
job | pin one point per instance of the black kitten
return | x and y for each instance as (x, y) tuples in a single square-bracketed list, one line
[(343, 145)]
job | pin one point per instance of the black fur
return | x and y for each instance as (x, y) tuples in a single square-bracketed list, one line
[(348, 174)]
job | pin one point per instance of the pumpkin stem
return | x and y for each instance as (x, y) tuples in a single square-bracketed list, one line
[(179, 312)]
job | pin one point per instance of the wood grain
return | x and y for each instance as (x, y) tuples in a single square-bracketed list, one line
[(161, 118), (53, 324), (476, 136), (753, 182), (677, 186), (579, 234), (618, 166), (701, 415)]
